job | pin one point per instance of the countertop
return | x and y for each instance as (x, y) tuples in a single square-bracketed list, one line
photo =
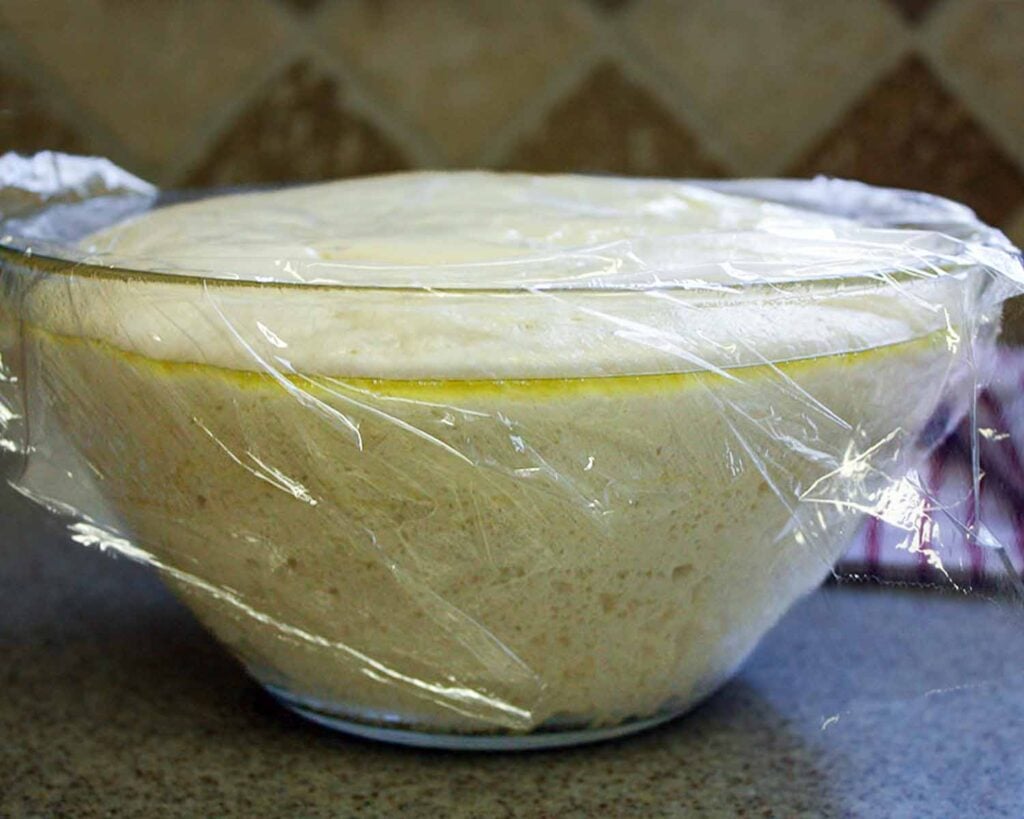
[(862, 702)]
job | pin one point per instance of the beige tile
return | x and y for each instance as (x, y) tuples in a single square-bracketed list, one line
[(611, 124), (766, 74), (150, 70), (28, 122), (981, 42), (297, 128), (909, 131), (457, 69)]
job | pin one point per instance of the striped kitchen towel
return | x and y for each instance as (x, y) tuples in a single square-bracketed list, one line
[(956, 538)]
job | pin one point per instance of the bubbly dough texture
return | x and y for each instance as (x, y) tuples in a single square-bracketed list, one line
[(579, 552), (484, 275)]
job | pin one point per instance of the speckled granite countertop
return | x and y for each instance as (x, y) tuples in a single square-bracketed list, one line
[(861, 703)]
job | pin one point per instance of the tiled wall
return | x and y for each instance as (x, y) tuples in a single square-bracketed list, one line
[(917, 93)]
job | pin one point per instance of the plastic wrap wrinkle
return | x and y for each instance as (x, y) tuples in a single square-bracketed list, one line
[(475, 703), (478, 453)]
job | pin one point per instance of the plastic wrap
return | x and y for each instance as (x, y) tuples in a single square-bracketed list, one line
[(457, 458)]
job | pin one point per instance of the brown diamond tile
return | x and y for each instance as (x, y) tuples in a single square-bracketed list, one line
[(766, 74), (150, 71), (298, 129), (1013, 312), (909, 132), (458, 70), (611, 124), (26, 123), (981, 44), (1014, 228), (1013, 322), (914, 11)]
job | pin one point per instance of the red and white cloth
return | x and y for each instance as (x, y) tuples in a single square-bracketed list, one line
[(938, 549)]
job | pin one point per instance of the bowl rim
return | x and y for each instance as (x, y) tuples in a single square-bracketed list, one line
[(883, 277), (877, 207)]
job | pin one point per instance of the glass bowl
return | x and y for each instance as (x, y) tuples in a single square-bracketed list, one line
[(531, 513)]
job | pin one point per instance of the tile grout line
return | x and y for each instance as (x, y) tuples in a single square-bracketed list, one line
[(415, 145), (817, 127), (869, 77), (556, 86), (605, 47), (23, 61), (430, 152), (166, 170), (966, 92), (532, 114), (301, 45), (640, 64), (221, 117)]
